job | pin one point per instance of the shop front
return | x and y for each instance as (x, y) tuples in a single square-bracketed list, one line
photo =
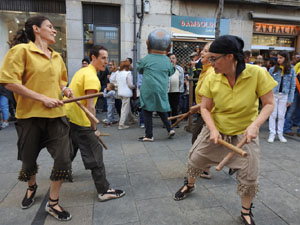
[(190, 32), (13, 17), (274, 37)]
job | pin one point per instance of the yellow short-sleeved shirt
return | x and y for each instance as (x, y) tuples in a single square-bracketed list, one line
[(26, 64), (297, 68), (83, 80), (236, 108), (207, 69)]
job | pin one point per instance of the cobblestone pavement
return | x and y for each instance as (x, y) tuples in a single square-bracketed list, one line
[(151, 173)]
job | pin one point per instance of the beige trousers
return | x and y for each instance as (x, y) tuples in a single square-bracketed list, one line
[(125, 111), (205, 154)]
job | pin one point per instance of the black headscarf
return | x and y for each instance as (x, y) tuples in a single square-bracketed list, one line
[(229, 44)]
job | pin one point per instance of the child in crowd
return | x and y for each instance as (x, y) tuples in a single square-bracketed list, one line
[(110, 95), (4, 106)]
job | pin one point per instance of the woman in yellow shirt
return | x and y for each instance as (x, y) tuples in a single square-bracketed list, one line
[(37, 75), (206, 69), (229, 108)]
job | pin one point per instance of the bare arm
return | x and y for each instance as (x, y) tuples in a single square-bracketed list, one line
[(267, 108), (206, 106), (90, 105), (27, 93)]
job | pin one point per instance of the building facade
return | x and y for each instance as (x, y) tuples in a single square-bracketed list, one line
[(123, 27)]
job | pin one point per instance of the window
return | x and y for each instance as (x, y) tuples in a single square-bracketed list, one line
[(11, 21), (101, 26)]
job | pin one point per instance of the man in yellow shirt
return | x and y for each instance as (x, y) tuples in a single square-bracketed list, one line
[(85, 81)]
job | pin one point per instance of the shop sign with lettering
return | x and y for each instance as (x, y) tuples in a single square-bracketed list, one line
[(198, 26), (280, 29)]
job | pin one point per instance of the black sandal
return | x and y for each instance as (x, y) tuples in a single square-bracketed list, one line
[(60, 215), (180, 195), (28, 202), (247, 214)]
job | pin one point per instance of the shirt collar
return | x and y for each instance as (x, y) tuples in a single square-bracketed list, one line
[(34, 48), (221, 77), (92, 68)]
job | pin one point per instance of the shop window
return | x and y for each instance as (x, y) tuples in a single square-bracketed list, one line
[(270, 40), (183, 50), (101, 26), (11, 21)]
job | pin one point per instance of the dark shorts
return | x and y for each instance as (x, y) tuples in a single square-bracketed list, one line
[(37, 133)]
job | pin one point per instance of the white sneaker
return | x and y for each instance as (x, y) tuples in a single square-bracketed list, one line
[(4, 124), (281, 138), (122, 127), (171, 133), (271, 138)]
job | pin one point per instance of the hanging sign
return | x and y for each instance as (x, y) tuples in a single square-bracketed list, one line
[(280, 29), (197, 26)]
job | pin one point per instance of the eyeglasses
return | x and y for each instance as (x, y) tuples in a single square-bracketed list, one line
[(214, 59)]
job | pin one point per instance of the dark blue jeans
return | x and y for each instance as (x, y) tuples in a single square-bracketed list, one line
[(293, 115), (149, 125)]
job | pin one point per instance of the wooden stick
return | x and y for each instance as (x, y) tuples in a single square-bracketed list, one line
[(233, 148), (99, 139), (229, 156), (88, 113), (69, 100), (180, 119), (104, 134), (98, 134), (176, 117)]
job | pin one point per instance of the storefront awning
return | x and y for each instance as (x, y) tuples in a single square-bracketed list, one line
[(277, 48), (264, 16)]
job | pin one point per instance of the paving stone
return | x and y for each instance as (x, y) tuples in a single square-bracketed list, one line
[(147, 186), (282, 203), (137, 164), (182, 155), (15, 215), (7, 183), (286, 180), (118, 211), (162, 155), (268, 165), (134, 149), (112, 168), (7, 166), (160, 211), (209, 216), (171, 169)]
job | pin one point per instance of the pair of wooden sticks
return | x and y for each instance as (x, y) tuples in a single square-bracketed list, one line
[(90, 115), (234, 149)]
